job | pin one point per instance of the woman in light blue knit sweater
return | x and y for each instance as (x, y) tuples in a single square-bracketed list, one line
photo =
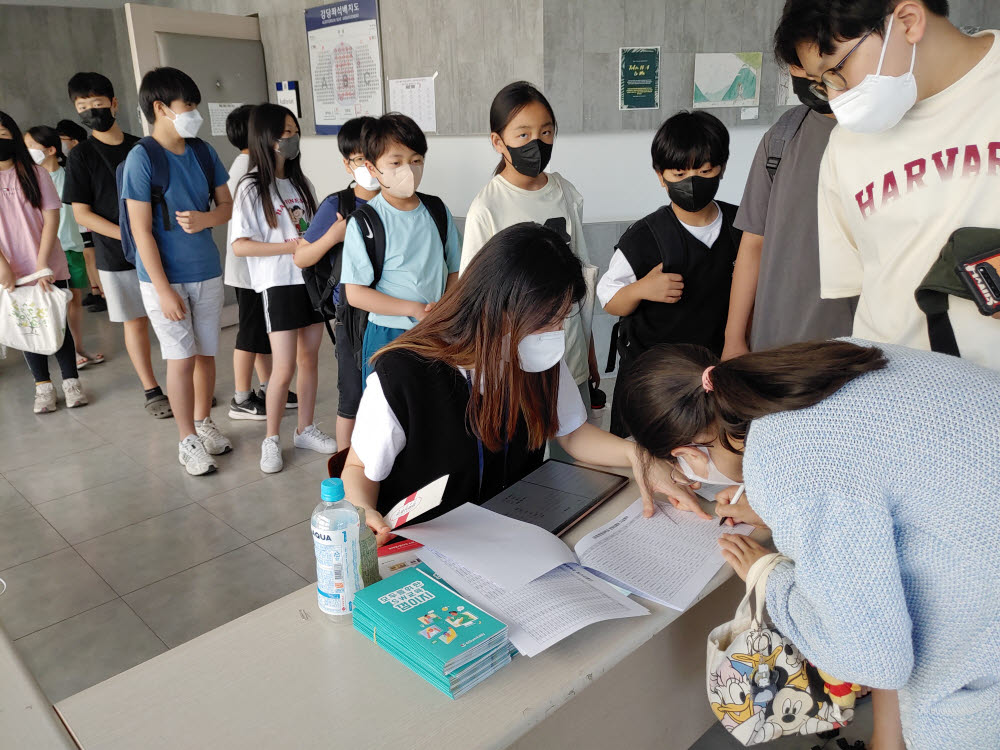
[(878, 472)]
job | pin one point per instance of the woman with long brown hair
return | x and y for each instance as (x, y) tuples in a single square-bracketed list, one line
[(478, 387), (878, 472)]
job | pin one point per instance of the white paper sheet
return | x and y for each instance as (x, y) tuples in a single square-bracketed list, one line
[(217, 114), (668, 558), (421, 501), (507, 552), (414, 97), (544, 611)]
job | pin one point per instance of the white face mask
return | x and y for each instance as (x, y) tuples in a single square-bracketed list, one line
[(539, 352), (37, 155), (187, 124), (714, 475), (364, 178), (878, 102)]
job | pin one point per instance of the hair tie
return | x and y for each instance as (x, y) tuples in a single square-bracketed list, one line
[(706, 379)]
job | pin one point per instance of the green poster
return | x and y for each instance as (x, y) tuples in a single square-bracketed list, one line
[(639, 78)]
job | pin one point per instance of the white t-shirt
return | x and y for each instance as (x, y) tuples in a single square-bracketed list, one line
[(237, 272), (500, 205), (249, 222), (620, 274), (889, 202), (378, 437)]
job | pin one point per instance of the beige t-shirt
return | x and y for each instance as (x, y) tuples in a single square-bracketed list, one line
[(889, 202)]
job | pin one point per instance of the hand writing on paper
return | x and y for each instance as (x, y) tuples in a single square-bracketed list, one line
[(741, 552), (738, 512)]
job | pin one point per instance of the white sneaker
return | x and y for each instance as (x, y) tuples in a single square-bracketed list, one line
[(193, 457), (315, 440), (270, 455), (45, 398), (74, 393), (214, 441)]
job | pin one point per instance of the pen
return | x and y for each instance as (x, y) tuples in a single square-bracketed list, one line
[(736, 497)]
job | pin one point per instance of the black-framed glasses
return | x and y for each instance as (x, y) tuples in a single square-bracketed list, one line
[(832, 79), (357, 161)]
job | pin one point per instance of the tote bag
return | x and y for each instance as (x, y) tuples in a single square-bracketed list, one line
[(31, 319), (760, 686)]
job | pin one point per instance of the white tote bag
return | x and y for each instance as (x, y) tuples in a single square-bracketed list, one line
[(33, 320)]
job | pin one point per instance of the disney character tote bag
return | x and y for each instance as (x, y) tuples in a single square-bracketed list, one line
[(31, 319)]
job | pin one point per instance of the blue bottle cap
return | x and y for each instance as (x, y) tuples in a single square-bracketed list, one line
[(331, 490)]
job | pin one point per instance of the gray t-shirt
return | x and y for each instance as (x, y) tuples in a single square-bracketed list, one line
[(788, 308)]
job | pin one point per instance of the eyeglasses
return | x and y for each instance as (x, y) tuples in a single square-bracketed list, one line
[(357, 161), (832, 79)]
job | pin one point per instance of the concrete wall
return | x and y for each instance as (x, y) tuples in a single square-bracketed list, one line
[(42, 46)]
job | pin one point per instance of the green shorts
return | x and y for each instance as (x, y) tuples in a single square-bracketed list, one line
[(78, 278)]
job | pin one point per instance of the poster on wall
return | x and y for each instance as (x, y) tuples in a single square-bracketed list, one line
[(345, 62), (414, 97), (786, 94), (727, 79), (639, 78)]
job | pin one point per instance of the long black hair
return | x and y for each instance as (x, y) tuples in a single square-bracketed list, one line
[(267, 124), (48, 137), (510, 100), (23, 163)]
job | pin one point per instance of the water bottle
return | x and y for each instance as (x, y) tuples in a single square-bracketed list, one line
[(336, 529), (369, 552)]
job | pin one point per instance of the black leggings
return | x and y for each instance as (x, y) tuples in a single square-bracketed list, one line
[(66, 357)]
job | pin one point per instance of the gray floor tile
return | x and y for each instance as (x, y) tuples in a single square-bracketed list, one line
[(43, 437), (84, 515), (77, 653), (188, 604), (72, 473), (146, 552), (9, 497), (267, 505), (52, 588), (294, 548), (25, 535)]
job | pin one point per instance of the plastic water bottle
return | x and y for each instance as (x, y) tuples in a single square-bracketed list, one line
[(335, 529)]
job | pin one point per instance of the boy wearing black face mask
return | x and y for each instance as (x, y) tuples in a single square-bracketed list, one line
[(670, 275)]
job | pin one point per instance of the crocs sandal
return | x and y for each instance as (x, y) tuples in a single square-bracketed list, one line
[(159, 407)]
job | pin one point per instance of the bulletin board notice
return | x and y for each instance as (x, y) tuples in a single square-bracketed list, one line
[(345, 61)]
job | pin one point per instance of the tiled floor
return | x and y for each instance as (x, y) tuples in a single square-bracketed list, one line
[(111, 553)]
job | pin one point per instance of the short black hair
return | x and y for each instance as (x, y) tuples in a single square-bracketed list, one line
[(237, 123), (349, 137), (166, 85), (825, 24), (86, 85), (70, 129), (689, 139), (377, 135)]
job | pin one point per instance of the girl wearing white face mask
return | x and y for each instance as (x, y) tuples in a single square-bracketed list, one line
[(477, 389)]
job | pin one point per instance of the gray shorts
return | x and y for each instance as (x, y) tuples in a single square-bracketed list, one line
[(121, 291), (198, 332)]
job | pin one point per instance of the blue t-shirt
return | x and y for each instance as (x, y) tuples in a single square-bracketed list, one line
[(186, 257), (326, 217), (415, 267)]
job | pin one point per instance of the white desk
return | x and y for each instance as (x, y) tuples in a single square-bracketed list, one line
[(284, 677)]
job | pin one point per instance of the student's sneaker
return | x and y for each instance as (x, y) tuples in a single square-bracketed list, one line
[(292, 402), (98, 305), (45, 398), (270, 455), (315, 440), (74, 393), (193, 457), (214, 441), (253, 408)]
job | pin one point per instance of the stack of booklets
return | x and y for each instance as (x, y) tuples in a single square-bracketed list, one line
[(444, 638)]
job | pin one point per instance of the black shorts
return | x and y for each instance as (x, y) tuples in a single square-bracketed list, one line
[(348, 377), (252, 335), (288, 308)]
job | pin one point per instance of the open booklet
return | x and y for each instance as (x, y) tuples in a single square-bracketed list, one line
[(544, 591)]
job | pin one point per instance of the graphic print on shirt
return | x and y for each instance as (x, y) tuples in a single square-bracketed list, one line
[(941, 167), (296, 208)]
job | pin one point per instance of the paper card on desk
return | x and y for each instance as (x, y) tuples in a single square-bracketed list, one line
[(509, 553), (668, 558), (544, 611), (418, 503)]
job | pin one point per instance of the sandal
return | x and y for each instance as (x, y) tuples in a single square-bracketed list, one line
[(82, 360), (159, 407)]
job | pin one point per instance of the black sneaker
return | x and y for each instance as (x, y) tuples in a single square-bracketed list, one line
[(253, 408), (98, 305), (292, 402), (89, 300)]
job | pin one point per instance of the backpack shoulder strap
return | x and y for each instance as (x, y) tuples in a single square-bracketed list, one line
[(347, 201), (159, 175), (781, 134), (439, 213), (205, 161), (663, 224), (373, 233), (729, 212)]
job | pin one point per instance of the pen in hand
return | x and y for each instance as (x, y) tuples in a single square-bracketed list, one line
[(733, 501)]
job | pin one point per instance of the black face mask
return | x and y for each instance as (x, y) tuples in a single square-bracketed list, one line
[(693, 193), (7, 149), (532, 158), (98, 118), (801, 88)]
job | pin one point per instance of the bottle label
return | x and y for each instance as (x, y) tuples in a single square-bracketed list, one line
[(336, 567)]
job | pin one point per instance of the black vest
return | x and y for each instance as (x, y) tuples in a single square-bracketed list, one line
[(430, 400)]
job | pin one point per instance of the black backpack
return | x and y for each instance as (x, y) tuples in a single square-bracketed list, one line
[(323, 278), (353, 320)]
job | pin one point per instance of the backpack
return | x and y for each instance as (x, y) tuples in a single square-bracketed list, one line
[(323, 278), (159, 181), (781, 135), (355, 321)]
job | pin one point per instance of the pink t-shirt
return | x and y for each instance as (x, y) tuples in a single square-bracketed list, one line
[(21, 224)]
